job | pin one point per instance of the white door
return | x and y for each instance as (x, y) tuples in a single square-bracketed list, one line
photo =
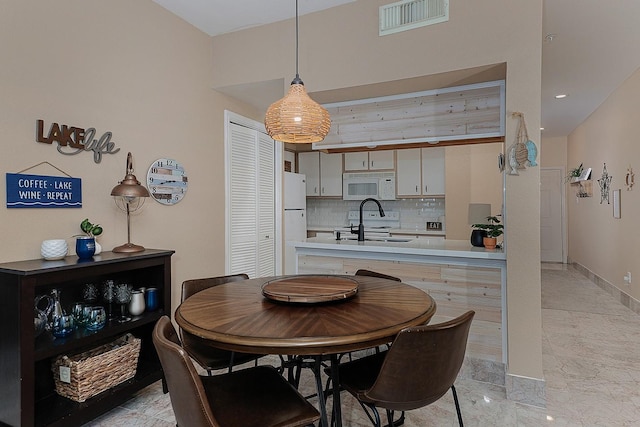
[(551, 215), (251, 202)]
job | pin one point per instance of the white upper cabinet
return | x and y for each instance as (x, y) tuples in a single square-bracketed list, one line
[(433, 171), (372, 160), (309, 164), (420, 172), (323, 171), (408, 179), (330, 174)]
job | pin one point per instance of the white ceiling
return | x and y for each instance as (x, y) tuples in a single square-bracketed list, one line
[(594, 48)]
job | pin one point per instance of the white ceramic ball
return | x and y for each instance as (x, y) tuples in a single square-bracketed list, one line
[(54, 249)]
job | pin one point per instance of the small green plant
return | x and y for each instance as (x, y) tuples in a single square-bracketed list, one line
[(91, 230), (574, 173), (493, 228)]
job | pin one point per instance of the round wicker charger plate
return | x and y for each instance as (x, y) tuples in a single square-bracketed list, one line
[(312, 289)]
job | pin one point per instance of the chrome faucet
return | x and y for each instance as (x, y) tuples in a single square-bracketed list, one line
[(360, 231)]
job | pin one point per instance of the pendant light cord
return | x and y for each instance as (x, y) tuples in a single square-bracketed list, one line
[(297, 80)]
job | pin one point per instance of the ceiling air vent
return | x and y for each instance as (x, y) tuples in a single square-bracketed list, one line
[(409, 14)]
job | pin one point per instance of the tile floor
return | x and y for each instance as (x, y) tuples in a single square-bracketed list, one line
[(591, 358)]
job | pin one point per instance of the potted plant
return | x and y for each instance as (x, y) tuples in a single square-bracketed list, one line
[(86, 245), (493, 229), (574, 174)]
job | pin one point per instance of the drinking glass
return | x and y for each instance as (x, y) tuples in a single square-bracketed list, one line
[(109, 296), (63, 325), (123, 297), (90, 293), (97, 318), (151, 299), (78, 313)]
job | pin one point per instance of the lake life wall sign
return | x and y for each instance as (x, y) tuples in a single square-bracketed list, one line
[(41, 191), (72, 140)]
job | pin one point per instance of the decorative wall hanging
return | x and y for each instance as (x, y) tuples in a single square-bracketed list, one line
[(523, 152), (72, 140), (605, 182), (42, 191), (629, 179)]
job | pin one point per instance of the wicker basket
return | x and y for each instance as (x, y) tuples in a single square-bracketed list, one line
[(84, 375)]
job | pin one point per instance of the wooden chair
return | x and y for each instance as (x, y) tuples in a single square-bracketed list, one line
[(363, 272), (418, 369), (211, 358), (254, 397)]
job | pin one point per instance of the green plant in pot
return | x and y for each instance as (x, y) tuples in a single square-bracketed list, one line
[(493, 229), (86, 245)]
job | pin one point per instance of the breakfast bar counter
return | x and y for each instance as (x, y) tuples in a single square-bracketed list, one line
[(422, 250), (458, 276)]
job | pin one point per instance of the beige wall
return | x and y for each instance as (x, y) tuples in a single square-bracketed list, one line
[(134, 69), (472, 175), (553, 152), (609, 135)]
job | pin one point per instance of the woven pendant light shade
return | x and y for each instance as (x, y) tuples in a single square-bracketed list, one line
[(297, 118)]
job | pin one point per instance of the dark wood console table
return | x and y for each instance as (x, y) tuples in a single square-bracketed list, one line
[(27, 391)]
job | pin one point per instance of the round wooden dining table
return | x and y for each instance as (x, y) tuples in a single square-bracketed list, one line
[(253, 316)]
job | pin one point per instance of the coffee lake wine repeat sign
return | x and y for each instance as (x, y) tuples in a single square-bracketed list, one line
[(40, 191)]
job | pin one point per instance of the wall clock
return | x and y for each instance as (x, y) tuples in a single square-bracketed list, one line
[(167, 181)]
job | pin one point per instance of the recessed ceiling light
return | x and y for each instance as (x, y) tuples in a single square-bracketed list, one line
[(541, 128), (562, 95)]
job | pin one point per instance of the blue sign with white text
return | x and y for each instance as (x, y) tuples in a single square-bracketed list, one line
[(39, 191)]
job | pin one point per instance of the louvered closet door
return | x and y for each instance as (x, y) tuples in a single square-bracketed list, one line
[(266, 204), (252, 244)]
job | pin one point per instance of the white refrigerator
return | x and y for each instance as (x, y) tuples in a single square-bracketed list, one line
[(295, 217)]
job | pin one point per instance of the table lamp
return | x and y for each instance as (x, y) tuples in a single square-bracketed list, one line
[(129, 196), (478, 213)]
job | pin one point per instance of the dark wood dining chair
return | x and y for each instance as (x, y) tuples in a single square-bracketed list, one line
[(211, 358), (417, 370), (364, 272), (254, 397)]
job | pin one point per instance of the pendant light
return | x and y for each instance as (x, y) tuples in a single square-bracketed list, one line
[(297, 118)]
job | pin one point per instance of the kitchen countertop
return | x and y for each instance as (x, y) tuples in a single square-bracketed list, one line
[(413, 248), (408, 231)]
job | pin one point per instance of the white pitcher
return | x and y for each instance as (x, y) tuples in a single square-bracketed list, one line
[(136, 306)]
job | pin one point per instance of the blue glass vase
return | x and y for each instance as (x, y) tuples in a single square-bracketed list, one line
[(85, 247)]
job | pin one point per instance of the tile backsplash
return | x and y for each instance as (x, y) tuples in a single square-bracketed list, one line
[(414, 213)]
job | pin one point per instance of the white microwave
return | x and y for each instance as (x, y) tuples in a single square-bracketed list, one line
[(361, 185)]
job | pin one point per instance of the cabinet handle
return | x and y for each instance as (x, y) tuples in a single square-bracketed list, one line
[(315, 190), (416, 189), (372, 164), (363, 163), (425, 189), (322, 191)]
